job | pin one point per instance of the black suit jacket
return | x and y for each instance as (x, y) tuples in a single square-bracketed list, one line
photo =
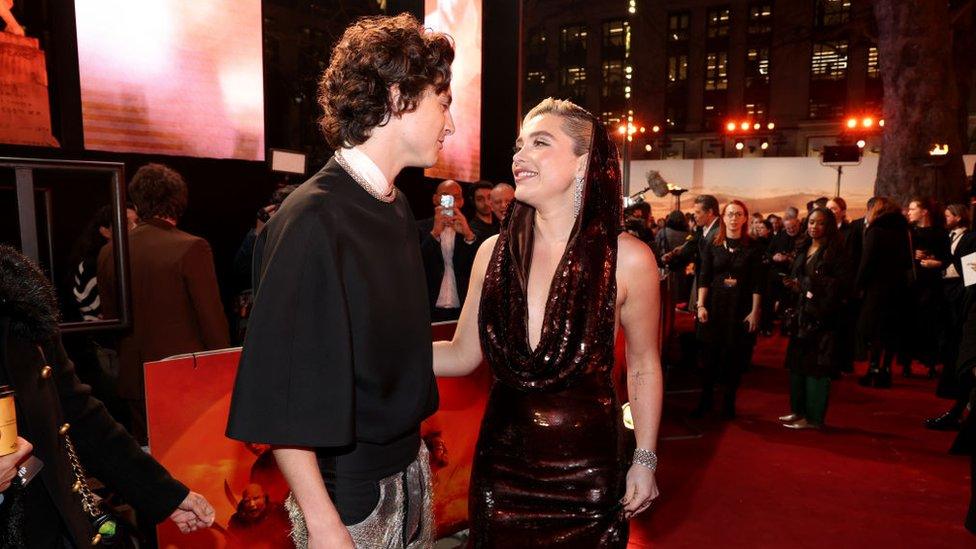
[(966, 246), (694, 249), (47, 402), (430, 250)]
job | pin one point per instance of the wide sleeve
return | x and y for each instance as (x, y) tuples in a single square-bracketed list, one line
[(295, 380), (108, 451), (200, 279)]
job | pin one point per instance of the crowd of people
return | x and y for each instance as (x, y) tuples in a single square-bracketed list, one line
[(882, 287), (539, 275)]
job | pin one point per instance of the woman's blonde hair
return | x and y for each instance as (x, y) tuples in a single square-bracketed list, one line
[(577, 121)]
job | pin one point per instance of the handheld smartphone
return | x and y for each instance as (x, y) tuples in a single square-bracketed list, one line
[(447, 204)]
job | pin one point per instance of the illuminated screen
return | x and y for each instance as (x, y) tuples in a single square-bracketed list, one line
[(174, 77), (461, 157)]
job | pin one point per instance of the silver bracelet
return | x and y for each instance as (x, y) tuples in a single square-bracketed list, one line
[(647, 458)]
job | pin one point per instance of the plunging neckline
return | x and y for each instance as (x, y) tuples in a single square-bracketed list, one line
[(549, 294)]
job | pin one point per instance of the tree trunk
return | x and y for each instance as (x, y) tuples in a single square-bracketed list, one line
[(921, 102)]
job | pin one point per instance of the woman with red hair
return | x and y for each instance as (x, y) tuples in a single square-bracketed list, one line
[(729, 296)]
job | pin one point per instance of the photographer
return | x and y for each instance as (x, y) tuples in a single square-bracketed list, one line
[(243, 260), (448, 246)]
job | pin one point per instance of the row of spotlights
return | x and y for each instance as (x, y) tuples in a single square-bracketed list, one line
[(746, 126)]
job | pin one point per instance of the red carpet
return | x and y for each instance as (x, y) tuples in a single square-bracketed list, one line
[(873, 478)]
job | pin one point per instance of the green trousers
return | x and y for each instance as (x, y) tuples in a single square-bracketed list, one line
[(808, 396)]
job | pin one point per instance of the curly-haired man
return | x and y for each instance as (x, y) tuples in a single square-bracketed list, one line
[(336, 370), (176, 305)]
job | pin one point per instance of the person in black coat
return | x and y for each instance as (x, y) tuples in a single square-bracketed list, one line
[(962, 242), (55, 411), (930, 247), (965, 442), (729, 299), (819, 278), (882, 281)]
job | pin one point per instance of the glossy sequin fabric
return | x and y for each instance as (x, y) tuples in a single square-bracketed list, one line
[(404, 505), (550, 467)]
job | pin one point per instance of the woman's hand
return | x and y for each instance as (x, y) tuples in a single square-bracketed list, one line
[(10, 463), (702, 314), (752, 321), (641, 490)]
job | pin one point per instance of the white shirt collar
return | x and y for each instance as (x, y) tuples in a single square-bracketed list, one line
[(364, 166), (710, 225)]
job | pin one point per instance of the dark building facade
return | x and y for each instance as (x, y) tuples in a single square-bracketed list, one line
[(792, 70)]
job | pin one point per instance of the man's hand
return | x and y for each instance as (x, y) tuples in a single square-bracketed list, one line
[(462, 228), (193, 514), (11, 462), (780, 257), (331, 534), (441, 222)]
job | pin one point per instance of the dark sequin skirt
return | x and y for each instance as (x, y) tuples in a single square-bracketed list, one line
[(550, 468)]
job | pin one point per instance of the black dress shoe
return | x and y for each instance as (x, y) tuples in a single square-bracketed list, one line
[(948, 421), (868, 379), (883, 379)]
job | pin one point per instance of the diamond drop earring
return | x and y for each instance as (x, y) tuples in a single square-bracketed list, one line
[(578, 195)]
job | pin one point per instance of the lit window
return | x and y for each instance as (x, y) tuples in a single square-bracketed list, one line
[(874, 67), (613, 79), (757, 66), (719, 20), (829, 61), (678, 24), (616, 34), (716, 75), (573, 81), (572, 40), (761, 18), (677, 69), (832, 12)]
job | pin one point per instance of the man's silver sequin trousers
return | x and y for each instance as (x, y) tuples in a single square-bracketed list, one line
[(403, 517)]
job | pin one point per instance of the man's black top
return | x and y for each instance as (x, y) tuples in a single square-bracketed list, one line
[(338, 352), (785, 244), (484, 230)]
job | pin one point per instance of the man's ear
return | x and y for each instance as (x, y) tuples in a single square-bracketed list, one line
[(394, 103)]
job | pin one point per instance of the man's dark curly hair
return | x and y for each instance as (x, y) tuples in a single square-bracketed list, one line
[(373, 54), (158, 191)]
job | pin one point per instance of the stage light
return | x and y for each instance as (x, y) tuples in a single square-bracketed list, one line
[(622, 129), (739, 145), (648, 148), (852, 123), (861, 143), (629, 69), (744, 126), (656, 128), (642, 129), (764, 146), (756, 126), (867, 122), (730, 126), (939, 150), (770, 126), (881, 123)]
